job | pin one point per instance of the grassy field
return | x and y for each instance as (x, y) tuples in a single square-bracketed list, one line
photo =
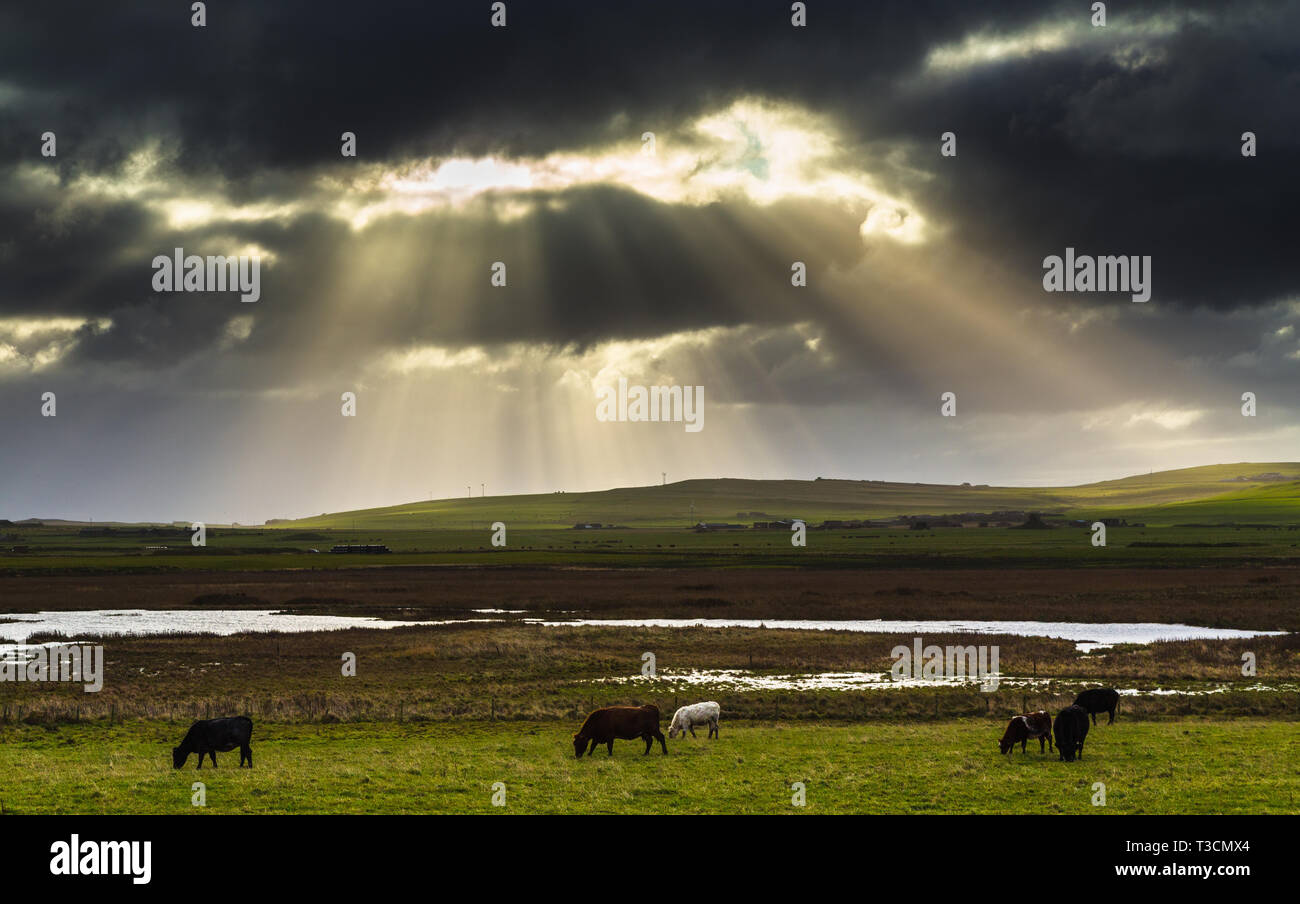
[(1183, 766), (679, 504), (436, 714), (59, 551), (1217, 515), (1273, 504), (1213, 493)]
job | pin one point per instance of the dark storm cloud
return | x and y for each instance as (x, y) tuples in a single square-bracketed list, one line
[(276, 83), (1126, 143), (1135, 151)]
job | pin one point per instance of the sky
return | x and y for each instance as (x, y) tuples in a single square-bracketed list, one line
[(666, 259)]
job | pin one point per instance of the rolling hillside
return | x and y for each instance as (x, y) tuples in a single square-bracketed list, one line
[(1236, 492), (1271, 504)]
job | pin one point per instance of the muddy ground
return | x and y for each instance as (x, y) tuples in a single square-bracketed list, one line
[(1256, 597)]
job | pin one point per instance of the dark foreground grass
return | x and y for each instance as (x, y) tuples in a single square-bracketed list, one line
[(1234, 541), (1184, 766)]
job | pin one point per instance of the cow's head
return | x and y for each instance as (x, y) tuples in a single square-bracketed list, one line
[(179, 757), (673, 729), (1005, 745), (579, 745)]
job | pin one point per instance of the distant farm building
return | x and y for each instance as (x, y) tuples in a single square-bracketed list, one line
[(781, 524)]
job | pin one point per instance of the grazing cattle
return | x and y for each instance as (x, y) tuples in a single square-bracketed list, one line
[(1071, 729), (686, 718), (623, 723), (1099, 700), (1022, 728), (207, 736)]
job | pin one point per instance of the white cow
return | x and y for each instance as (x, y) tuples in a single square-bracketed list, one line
[(686, 718)]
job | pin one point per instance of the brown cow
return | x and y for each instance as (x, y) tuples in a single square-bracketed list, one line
[(1030, 725), (622, 722)]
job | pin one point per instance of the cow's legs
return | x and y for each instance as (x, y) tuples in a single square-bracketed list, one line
[(213, 753), (692, 729), (201, 756), (592, 748), (1023, 745), (1041, 746), (611, 747), (1112, 718), (1094, 719), (713, 728), (246, 752), (648, 741), (662, 743)]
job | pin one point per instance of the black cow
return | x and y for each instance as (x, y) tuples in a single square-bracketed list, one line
[(1099, 700), (1071, 729), (207, 736)]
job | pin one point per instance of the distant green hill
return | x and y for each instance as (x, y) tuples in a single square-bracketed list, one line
[(1236, 492), (1269, 504)]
